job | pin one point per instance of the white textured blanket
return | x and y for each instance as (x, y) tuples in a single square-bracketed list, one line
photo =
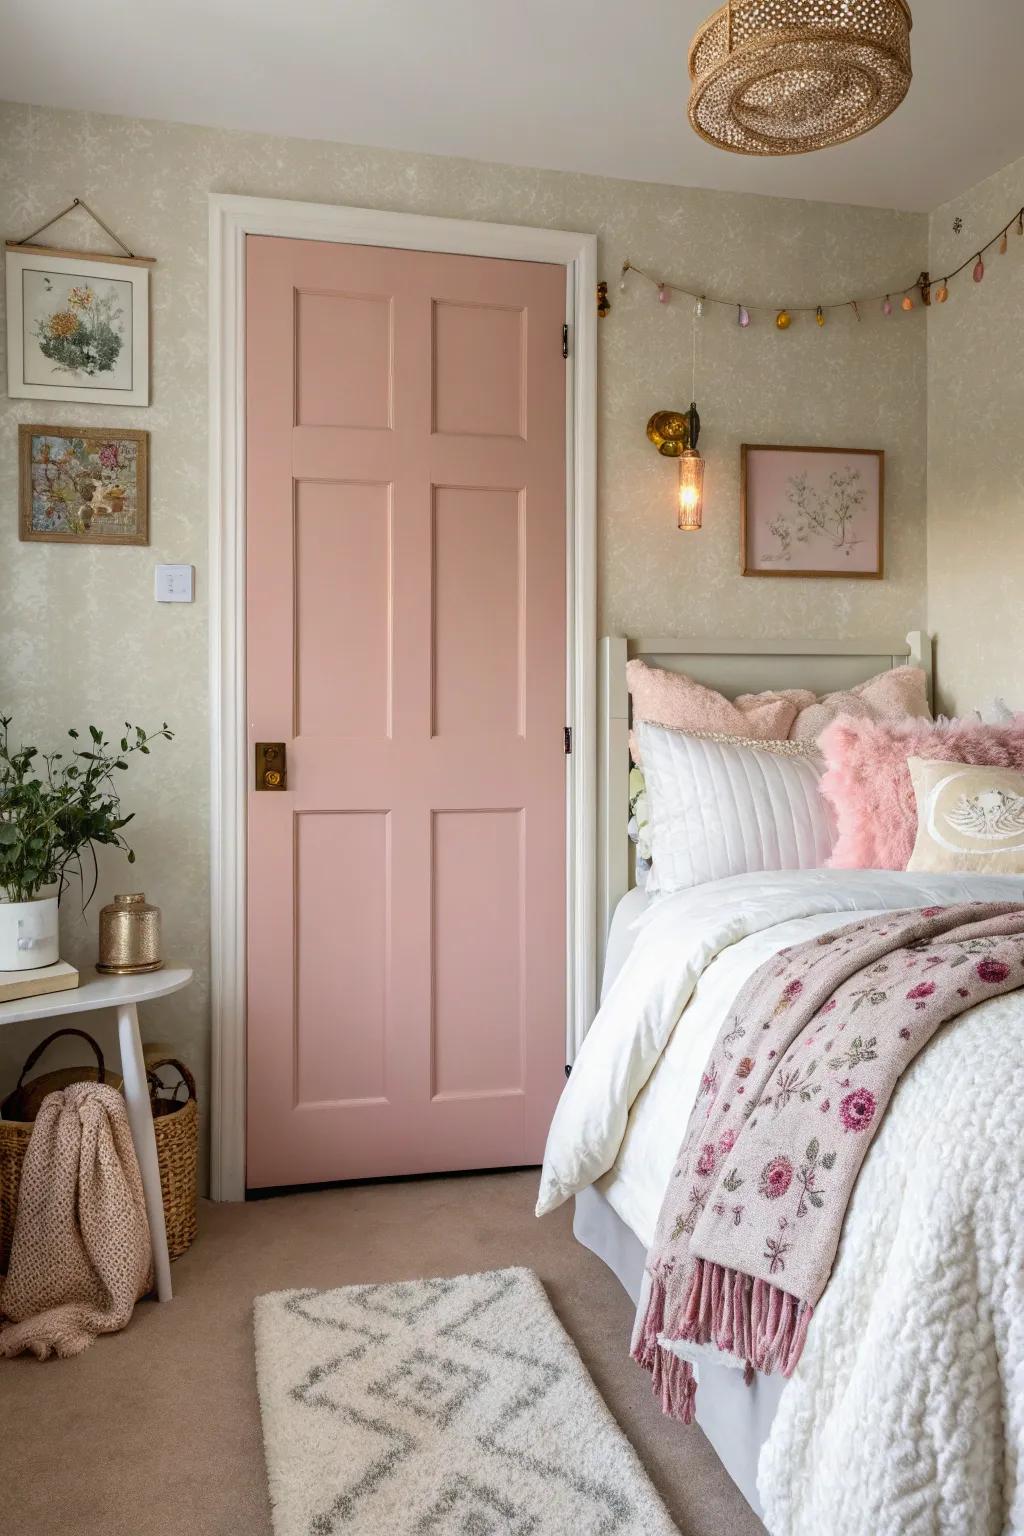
[(908, 1405), (907, 1409)]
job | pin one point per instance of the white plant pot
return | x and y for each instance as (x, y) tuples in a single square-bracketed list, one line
[(29, 934)]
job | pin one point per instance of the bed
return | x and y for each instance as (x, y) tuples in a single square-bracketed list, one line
[(680, 959)]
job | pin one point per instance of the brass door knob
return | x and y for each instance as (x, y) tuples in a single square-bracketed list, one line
[(271, 765)]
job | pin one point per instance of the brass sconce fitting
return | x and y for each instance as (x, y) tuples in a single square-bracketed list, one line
[(672, 432)]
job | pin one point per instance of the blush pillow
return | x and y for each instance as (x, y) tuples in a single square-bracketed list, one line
[(867, 781), (674, 700), (901, 694), (678, 702)]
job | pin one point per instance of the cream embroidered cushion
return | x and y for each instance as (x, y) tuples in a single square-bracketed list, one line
[(968, 818)]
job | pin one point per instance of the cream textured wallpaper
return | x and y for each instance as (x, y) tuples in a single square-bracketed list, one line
[(976, 452), (84, 640)]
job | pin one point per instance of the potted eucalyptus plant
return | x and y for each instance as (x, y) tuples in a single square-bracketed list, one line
[(55, 809)]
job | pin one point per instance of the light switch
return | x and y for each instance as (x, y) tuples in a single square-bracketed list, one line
[(175, 583)]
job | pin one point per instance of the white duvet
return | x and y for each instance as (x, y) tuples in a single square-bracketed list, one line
[(906, 1414)]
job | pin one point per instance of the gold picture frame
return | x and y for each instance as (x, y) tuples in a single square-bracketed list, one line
[(83, 485), (811, 516)]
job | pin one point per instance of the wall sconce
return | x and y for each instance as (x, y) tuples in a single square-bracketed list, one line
[(675, 435)]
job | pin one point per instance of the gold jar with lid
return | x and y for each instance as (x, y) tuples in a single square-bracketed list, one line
[(129, 936)]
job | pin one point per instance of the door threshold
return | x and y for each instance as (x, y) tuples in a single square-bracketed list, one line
[(274, 1190)]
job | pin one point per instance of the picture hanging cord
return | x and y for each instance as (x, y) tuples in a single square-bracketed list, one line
[(797, 309), (77, 202)]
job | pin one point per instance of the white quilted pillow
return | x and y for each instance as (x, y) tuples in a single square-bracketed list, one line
[(721, 807)]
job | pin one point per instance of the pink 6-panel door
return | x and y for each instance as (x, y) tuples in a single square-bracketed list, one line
[(406, 580)]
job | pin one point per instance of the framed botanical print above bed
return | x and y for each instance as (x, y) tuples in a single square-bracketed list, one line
[(811, 511)]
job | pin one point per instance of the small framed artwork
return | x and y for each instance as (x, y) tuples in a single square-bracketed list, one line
[(77, 326), (811, 511), (83, 485)]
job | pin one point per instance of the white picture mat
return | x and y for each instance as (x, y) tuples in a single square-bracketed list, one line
[(68, 271)]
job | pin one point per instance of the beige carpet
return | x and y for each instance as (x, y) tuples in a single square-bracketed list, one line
[(155, 1431)]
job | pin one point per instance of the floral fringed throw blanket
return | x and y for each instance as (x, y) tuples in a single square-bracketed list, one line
[(789, 1102)]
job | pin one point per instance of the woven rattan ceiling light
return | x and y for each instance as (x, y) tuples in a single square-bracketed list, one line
[(781, 77)]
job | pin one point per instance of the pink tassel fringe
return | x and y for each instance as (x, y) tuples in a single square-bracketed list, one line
[(753, 1319), (671, 1378)]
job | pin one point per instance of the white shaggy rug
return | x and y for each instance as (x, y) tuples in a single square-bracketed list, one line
[(451, 1407)]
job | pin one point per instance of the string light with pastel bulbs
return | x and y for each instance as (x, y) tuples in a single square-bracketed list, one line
[(925, 287)]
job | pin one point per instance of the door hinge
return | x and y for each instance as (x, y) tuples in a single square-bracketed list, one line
[(565, 341), (568, 740)]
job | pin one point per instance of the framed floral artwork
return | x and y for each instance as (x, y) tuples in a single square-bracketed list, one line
[(811, 511), (83, 485), (77, 326)]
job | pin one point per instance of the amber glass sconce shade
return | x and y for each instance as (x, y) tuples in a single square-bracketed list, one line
[(691, 490)]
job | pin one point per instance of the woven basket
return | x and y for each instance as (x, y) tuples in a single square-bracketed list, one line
[(13, 1146), (176, 1124)]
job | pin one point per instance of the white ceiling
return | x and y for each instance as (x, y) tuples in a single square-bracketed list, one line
[(574, 85)]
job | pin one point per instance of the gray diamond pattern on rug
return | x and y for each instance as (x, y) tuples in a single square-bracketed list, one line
[(447, 1407)]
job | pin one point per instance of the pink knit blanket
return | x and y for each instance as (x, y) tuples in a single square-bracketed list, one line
[(81, 1253), (792, 1095)]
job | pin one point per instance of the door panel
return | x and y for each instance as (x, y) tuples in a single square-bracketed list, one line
[(478, 602), (343, 1004), (406, 573), (343, 344), (489, 397), (342, 606), (478, 954)]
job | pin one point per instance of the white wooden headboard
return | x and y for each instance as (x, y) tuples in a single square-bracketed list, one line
[(733, 667)]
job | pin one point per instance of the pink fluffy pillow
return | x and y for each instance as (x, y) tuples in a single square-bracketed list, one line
[(868, 784)]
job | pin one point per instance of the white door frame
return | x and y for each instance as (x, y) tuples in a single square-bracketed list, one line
[(231, 220)]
